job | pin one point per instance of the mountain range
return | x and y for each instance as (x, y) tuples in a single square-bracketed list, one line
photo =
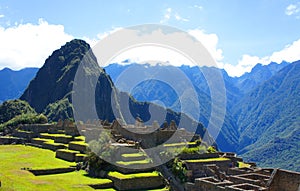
[(262, 107), (72, 78), (262, 111), (13, 83)]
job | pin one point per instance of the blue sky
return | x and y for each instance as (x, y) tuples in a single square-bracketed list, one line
[(241, 32)]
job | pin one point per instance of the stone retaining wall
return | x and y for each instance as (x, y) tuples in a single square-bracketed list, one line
[(142, 183), (211, 184), (11, 140), (52, 146), (80, 157), (127, 170), (77, 147), (285, 180), (66, 155), (40, 172), (38, 141), (101, 186), (184, 156), (65, 139), (28, 135), (200, 168), (37, 128)]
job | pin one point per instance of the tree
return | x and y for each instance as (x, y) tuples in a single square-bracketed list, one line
[(101, 152), (12, 108)]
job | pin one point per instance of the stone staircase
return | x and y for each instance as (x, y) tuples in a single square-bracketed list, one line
[(134, 171)]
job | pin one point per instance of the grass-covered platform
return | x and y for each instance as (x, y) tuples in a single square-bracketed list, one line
[(207, 160), (78, 146), (133, 156), (14, 158), (58, 138)]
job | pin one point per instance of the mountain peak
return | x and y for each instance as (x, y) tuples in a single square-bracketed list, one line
[(54, 80), (6, 70)]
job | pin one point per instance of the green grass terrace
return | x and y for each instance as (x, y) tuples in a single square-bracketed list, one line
[(207, 160), (14, 158)]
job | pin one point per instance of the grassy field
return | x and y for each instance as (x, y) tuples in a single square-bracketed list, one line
[(15, 157)]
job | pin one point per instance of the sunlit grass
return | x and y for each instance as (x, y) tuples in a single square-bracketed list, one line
[(129, 155), (179, 144), (243, 165), (137, 162), (207, 160), (133, 175), (79, 143), (15, 157), (51, 136)]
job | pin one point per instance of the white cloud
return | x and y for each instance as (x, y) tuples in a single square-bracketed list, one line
[(198, 7), (151, 55), (167, 56), (93, 41), (292, 9), (179, 18), (1, 16), (210, 42), (105, 34), (289, 53), (28, 45), (169, 14), (244, 65)]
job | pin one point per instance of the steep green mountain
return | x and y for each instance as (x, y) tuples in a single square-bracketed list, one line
[(54, 81), (13, 83), (268, 119)]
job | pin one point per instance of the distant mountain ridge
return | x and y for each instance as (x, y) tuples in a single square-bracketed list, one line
[(13, 83), (259, 74)]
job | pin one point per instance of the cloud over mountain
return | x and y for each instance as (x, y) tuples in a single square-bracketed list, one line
[(30, 44), (289, 53)]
